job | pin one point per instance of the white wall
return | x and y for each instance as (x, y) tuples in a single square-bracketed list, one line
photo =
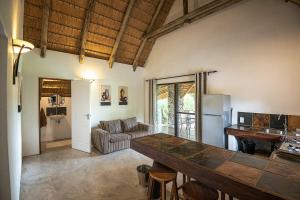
[(254, 45), (11, 17), (56, 130), (66, 66)]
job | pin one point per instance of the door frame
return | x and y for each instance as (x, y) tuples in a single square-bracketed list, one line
[(39, 105)]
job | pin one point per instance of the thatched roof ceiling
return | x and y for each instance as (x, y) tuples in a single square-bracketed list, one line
[(115, 30), (183, 89), (67, 19), (49, 87)]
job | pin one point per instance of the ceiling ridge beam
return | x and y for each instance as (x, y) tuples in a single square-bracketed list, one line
[(44, 29), (142, 46), (121, 32), (85, 29), (192, 16)]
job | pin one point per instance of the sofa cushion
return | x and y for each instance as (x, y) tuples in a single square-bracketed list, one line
[(130, 124), (137, 134), (113, 126), (118, 137)]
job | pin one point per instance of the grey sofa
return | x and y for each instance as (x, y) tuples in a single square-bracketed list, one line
[(115, 135)]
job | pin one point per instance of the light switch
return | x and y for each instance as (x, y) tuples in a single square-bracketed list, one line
[(242, 120)]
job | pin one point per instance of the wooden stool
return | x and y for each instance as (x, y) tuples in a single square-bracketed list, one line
[(196, 191), (163, 175)]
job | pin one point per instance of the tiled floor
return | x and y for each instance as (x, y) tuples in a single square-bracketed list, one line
[(71, 174), (68, 174)]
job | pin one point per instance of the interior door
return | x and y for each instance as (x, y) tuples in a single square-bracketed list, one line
[(81, 122)]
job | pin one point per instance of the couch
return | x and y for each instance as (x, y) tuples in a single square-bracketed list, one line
[(115, 135)]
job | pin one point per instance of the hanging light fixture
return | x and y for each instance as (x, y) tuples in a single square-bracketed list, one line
[(20, 47)]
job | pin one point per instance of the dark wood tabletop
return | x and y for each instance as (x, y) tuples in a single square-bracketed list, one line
[(240, 175)]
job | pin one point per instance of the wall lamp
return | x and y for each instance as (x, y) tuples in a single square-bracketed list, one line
[(19, 47)]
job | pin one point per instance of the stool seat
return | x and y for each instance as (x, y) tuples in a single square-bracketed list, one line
[(162, 175), (194, 190)]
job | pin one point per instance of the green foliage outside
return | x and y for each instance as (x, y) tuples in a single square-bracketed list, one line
[(163, 110)]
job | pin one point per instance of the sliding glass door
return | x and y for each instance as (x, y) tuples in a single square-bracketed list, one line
[(185, 111), (175, 109)]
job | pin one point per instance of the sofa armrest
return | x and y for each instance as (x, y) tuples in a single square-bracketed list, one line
[(145, 127), (100, 139)]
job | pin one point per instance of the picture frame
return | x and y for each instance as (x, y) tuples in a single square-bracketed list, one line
[(105, 95), (123, 95)]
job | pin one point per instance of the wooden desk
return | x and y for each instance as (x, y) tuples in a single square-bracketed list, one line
[(252, 133), (240, 175)]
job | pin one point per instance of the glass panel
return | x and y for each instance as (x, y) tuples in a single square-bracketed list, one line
[(165, 106), (186, 126), (186, 97), (186, 110)]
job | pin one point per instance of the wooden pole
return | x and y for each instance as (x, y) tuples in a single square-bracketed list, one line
[(185, 7), (199, 13), (121, 32), (141, 47), (85, 29), (44, 30)]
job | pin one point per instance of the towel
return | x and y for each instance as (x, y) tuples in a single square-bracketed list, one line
[(43, 118)]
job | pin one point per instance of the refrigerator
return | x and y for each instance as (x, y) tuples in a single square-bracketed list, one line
[(216, 115)]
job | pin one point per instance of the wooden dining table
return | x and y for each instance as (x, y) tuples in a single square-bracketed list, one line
[(239, 175)]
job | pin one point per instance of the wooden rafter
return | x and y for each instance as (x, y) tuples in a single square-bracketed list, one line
[(44, 30), (85, 29), (188, 90), (121, 32), (141, 47), (295, 2), (199, 13)]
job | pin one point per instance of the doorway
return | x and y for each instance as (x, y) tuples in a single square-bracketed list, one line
[(55, 114), (175, 109)]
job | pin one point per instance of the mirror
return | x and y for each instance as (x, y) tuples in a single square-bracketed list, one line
[(56, 100)]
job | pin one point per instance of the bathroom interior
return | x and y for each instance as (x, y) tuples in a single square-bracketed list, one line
[(55, 114)]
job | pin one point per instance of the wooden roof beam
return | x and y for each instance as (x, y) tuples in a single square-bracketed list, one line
[(44, 30), (192, 16), (297, 2), (141, 47), (121, 32), (85, 29)]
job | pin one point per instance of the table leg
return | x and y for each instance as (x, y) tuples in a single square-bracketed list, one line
[(272, 146)]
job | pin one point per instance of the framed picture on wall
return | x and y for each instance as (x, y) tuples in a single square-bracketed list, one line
[(105, 95), (123, 95)]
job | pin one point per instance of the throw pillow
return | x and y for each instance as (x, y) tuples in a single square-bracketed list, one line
[(130, 124)]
